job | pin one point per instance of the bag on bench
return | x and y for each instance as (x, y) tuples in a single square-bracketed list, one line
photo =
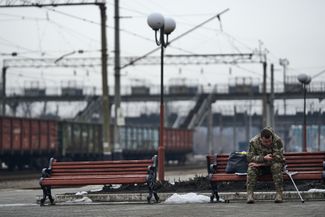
[(237, 163)]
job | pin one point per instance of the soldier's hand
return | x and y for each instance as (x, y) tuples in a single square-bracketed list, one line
[(252, 164), (268, 157)]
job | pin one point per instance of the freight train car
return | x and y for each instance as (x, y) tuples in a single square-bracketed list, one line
[(142, 142), (31, 142), (24, 139), (79, 141)]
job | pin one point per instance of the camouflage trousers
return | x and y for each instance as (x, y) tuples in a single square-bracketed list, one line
[(275, 169)]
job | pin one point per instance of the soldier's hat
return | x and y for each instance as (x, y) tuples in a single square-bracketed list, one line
[(267, 132)]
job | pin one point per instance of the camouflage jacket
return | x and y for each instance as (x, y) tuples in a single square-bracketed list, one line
[(257, 151)]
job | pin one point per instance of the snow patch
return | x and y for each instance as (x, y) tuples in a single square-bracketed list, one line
[(316, 190), (96, 190), (81, 193), (81, 200), (187, 198), (84, 198)]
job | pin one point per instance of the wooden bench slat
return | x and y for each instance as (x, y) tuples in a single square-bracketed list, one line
[(102, 162), (94, 181), (102, 168), (95, 176), (304, 153), (66, 174), (222, 177), (90, 166)]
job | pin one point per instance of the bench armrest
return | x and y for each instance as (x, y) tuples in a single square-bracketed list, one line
[(46, 172), (212, 168), (152, 172), (323, 175), (152, 169)]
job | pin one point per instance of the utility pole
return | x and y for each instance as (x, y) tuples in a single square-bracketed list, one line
[(210, 130), (263, 60), (117, 151), (272, 98), (235, 129), (264, 112), (284, 63), (3, 91), (106, 109)]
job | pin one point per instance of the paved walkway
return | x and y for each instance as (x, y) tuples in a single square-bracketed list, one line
[(22, 203), (18, 203)]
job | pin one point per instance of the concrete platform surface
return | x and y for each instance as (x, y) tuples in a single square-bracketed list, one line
[(232, 196), (20, 203)]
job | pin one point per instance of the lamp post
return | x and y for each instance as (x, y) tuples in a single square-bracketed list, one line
[(68, 54), (304, 80), (164, 26)]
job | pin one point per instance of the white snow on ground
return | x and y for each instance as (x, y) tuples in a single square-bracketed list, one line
[(84, 198), (81, 193), (316, 190), (96, 190), (187, 198)]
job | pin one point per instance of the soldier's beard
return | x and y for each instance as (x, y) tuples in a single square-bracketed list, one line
[(266, 142)]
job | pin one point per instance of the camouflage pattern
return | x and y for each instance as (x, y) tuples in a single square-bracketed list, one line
[(256, 154)]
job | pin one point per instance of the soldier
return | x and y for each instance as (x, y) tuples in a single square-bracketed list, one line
[(265, 155)]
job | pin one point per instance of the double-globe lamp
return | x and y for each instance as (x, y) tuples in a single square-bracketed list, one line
[(164, 26), (304, 80)]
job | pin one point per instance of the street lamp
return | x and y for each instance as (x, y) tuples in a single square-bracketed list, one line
[(165, 26), (68, 54), (304, 80)]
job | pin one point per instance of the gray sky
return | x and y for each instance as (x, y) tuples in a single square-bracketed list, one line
[(292, 29)]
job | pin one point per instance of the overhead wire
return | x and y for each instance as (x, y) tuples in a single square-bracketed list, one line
[(181, 49), (40, 35), (110, 27), (72, 31), (11, 44), (123, 30), (20, 17)]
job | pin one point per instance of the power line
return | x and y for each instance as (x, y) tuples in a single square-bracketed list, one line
[(178, 37), (318, 74)]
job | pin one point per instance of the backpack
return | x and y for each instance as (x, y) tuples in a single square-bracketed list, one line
[(237, 163)]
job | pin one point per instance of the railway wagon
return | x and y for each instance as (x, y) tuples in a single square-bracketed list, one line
[(22, 140), (79, 141), (143, 142), (31, 142)]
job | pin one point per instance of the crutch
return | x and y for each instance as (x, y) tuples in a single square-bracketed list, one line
[(290, 174)]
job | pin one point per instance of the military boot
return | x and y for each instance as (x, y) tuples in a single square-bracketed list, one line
[(278, 196), (250, 197)]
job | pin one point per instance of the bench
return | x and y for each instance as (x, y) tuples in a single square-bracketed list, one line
[(80, 173), (307, 165)]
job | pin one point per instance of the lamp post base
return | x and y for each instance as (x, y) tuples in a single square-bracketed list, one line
[(107, 156), (117, 154)]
